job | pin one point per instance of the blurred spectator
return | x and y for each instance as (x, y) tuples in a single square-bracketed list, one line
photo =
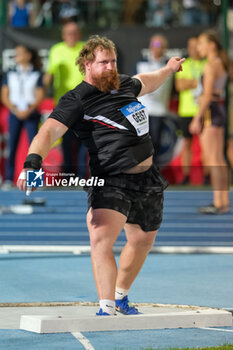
[(210, 120), (158, 101), (133, 11), (230, 117), (159, 13), (187, 83), (110, 13), (212, 11), (43, 12), (36, 7), (20, 13), (61, 70), (65, 75), (65, 11), (22, 92), (193, 13)]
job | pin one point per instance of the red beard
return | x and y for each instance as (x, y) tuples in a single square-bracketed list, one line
[(107, 81)]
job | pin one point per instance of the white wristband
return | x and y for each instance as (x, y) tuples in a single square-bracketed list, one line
[(22, 175)]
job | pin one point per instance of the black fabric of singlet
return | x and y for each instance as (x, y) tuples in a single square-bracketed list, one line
[(112, 141)]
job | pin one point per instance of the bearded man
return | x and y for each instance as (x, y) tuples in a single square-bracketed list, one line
[(104, 112)]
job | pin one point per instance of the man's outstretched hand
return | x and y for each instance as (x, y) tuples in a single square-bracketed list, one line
[(21, 183), (175, 64)]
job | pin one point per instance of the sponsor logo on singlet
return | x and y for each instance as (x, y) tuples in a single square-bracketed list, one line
[(137, 115)]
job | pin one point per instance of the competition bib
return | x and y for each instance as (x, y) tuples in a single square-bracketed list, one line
[(138, 116)]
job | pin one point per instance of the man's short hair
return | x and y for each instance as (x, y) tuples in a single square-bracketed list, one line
[(87, 54)]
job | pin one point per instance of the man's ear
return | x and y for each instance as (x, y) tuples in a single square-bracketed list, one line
[(87, 65)]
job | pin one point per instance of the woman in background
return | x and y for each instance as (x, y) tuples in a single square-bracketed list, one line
[(22, 92), (210, 120), (20, 13)]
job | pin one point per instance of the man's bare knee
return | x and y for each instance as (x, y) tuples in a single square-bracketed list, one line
[(104, 227), (145, 244), (99, 239), (142, 240)]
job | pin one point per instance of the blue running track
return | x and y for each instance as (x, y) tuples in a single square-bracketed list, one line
[(62, 221), (177, 279)]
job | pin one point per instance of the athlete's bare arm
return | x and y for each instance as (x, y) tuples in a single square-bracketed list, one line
[(50, 132), (152, 80)]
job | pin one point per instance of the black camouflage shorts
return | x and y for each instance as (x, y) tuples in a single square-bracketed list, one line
[(137, 196)]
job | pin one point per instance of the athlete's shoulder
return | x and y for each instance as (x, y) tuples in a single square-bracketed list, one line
[(72, 94), (83, 89), (210, 67), (124, 77), (69, 109), (132, 83), (70, 98), (217, 63), (70, 101)]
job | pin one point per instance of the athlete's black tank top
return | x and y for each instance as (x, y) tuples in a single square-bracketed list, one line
[(113, 126)]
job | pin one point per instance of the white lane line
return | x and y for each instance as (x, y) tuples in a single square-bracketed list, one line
[(216, 329), (83, 340)]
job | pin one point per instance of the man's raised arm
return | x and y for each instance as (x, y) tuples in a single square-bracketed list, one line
[(50, 132), (152, 80)]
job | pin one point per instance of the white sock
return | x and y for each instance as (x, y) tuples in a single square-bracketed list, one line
[(121, 293), (108, 306)]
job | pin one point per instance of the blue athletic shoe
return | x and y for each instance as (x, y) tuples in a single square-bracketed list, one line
[(101, 313), (122, 305)]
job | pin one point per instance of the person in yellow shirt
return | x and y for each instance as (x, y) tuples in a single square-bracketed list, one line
[(187, 83), (63, 73)]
